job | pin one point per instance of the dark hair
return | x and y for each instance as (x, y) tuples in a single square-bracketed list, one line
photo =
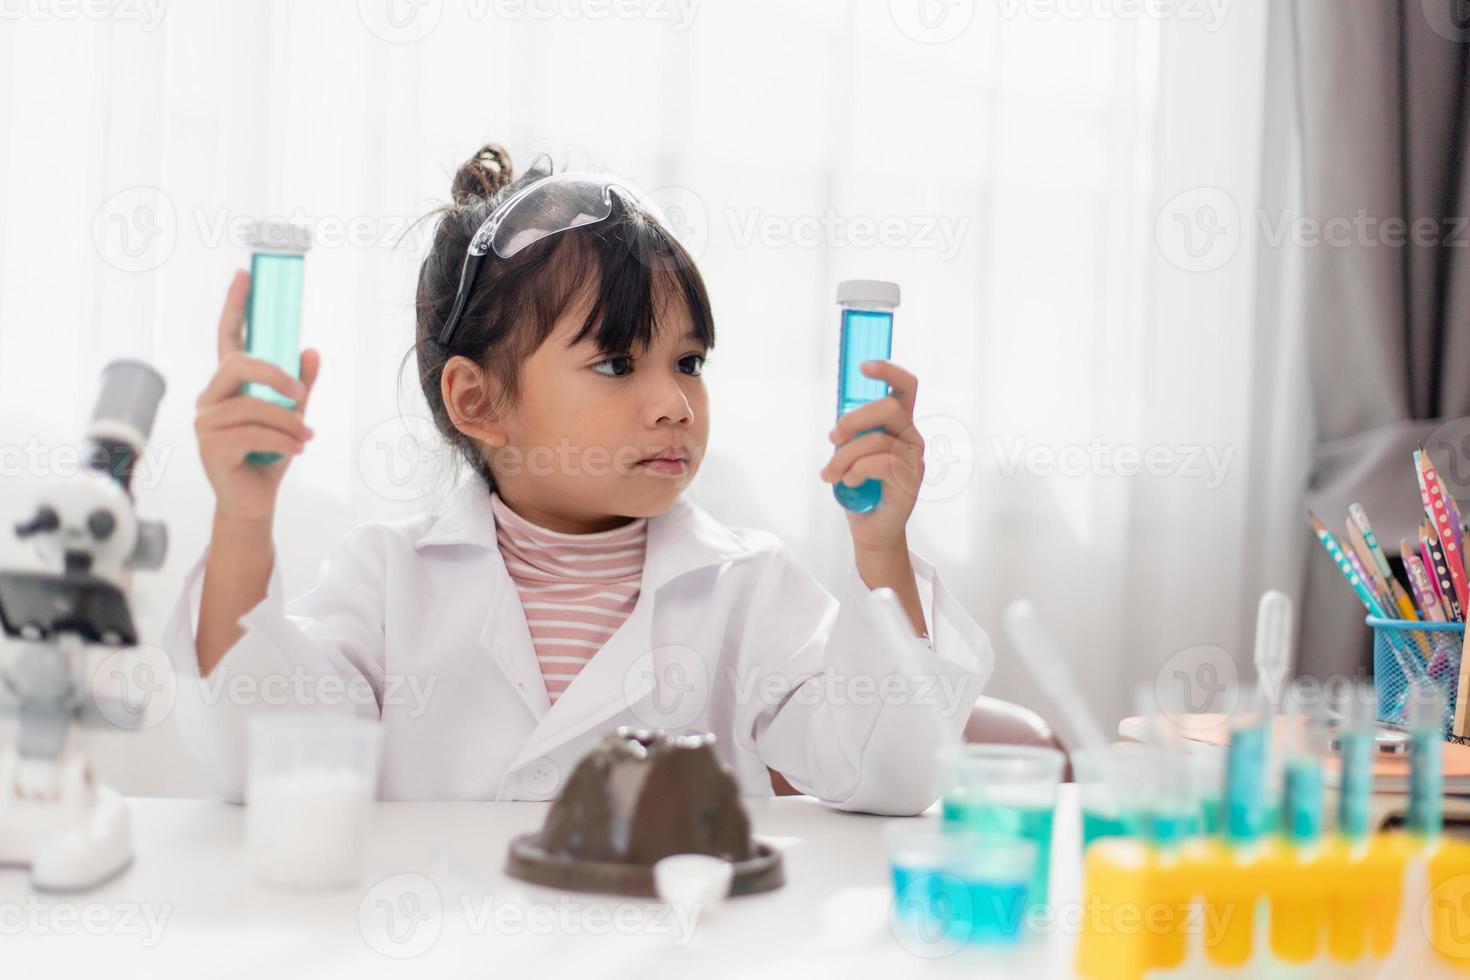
[(631, 268)]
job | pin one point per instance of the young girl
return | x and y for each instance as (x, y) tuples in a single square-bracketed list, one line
[(569, 587)]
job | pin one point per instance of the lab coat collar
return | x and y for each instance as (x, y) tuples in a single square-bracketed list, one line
[(682, 540)]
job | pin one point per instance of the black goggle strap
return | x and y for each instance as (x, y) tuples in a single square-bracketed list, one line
[(472, 262)]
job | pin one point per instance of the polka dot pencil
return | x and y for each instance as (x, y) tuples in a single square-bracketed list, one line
[(1446, 521)]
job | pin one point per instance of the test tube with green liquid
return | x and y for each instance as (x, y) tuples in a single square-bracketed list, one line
[(273, 312)]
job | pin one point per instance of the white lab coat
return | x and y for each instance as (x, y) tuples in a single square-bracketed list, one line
[(416, 622)]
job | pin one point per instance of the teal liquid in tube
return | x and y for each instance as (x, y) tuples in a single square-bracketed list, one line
[(273, 312), (867, 335), (1245, 767), (1426, 760), (1356, 741)]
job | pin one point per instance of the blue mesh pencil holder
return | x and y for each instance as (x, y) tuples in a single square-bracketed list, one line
[(1405, 651)]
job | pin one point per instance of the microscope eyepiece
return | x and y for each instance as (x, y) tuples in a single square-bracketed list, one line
[(45, 519)]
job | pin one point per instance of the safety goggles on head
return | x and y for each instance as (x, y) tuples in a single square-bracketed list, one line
[(546, 205)]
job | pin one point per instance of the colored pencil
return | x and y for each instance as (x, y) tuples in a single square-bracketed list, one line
[(1345, 565), (1428, 561), (1424, 592), (1446, 527), (1379, 598), (1441, 573), (1431, 594), (1359, 529)]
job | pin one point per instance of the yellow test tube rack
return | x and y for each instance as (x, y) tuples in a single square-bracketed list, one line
[(1337, 901)]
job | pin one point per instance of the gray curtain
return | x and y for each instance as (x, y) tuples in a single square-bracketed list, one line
[(1381, 101)]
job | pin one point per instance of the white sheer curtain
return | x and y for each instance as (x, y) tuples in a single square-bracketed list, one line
[(1014, 166)]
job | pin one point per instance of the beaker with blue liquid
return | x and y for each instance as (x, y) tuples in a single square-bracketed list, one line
[(954, 886), (867, 307), (1004, 791)]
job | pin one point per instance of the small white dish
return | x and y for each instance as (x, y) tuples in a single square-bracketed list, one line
[(693, 880)]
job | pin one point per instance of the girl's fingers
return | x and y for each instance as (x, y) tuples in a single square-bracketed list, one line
[(849, 453), (902, 385), (233, 443), (311, 365), (236, 368), (887, 414), (251, 411), (889, 468), (232, 317)]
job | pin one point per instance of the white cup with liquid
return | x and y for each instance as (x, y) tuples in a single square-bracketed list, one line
[(309, 798)]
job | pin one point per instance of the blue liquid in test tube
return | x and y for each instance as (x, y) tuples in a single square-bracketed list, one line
[(273, 312), (867, 335)]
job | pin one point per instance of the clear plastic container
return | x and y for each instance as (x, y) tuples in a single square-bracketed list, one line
[(1004, 791), (953, 886), (309, 798)]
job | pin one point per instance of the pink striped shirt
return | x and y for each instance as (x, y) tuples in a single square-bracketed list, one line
[(576, 589)]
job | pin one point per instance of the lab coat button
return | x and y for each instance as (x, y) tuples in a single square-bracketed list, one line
[(542, 777)]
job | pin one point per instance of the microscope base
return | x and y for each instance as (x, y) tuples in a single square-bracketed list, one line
[(70, 842)]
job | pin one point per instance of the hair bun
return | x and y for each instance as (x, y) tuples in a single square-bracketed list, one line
[(483, 175)]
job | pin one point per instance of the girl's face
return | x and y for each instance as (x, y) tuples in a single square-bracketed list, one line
[(596, 440)]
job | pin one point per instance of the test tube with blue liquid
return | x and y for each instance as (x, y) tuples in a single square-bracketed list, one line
[(867, 335), (273, 312)]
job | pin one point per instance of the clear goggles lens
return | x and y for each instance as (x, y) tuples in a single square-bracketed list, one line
[(552, 204), (545, 206)]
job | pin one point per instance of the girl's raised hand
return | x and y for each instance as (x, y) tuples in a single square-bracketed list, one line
[(894, 456), (230, 424)]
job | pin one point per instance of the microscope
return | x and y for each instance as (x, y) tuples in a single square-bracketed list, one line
[(54, 816)]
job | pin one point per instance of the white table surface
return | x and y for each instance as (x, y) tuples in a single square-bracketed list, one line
[(434, 901)]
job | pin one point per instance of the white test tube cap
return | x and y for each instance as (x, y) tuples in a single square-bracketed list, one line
[(276, 234), (868, 294)]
